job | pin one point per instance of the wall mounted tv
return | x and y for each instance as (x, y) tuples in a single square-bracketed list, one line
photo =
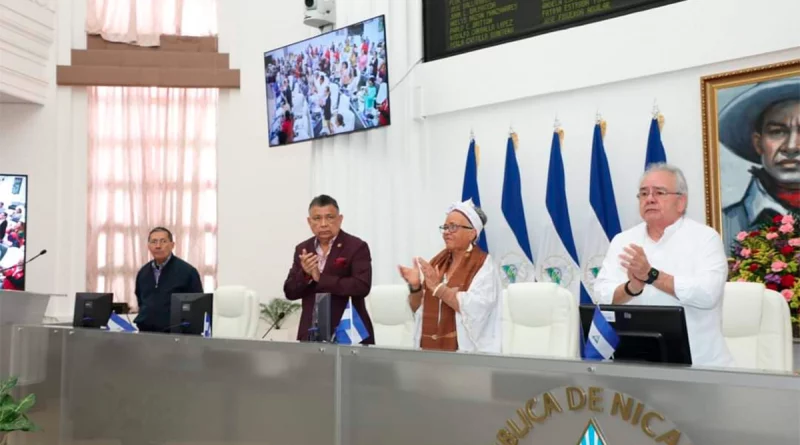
[(13, 217), (333, 83)]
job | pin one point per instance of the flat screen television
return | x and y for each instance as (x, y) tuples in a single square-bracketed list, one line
[(13, 233), (333, 83)]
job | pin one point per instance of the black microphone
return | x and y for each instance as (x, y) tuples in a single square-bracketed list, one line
[(44, 251), (274, 323)]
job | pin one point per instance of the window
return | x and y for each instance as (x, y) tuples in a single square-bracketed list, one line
[(152, 162)]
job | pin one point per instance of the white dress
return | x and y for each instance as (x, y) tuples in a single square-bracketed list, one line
[(479, 320)]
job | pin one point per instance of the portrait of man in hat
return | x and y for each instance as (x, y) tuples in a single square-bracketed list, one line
[(760, 124)]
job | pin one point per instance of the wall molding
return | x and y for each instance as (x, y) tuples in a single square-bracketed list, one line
[(27, 34)]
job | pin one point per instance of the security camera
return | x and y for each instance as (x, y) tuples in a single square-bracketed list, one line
[(320, 13)]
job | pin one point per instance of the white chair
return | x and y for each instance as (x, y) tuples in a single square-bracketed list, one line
[(506, 320), (391, 315), (757, 327), (236, 313), (543, 319)]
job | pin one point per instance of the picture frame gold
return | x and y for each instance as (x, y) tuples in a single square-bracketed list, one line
[(721, 182)]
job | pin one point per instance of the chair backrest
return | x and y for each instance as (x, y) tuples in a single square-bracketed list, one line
[(543, 321), (757, 327), (236, 312), (506, 320), (391, 315)]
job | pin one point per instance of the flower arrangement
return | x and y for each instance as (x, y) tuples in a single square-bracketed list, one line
[(771, 255)]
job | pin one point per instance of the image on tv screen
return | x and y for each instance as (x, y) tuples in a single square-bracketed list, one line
[(13, 214), (330, 84)]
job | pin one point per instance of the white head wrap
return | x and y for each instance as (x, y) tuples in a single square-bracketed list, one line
[(468, 209)]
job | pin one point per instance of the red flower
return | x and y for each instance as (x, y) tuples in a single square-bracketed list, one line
[(787, 281), (773, 229), (754, 233), (787, 250), (753, 267), (340, 262), (772, 286), (777, 219)]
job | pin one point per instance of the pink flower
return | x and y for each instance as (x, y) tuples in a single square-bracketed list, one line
[(787, 294), (741, 236), (788, 219), (786, 228), (746, 253), (741, 280), (794, 242), (778, 266), (772, 235)]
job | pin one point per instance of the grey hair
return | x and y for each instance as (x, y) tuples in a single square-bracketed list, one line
[(481, 215), (680, 180)]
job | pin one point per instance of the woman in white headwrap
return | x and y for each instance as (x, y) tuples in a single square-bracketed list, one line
[(456, 297)]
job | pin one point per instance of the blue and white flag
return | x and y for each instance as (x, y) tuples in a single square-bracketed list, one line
[(603, 339), (470, 189), (558, 258), (512, 250), (655, 149), (207, 325), (119, 324), (351, 330), (603, 222)]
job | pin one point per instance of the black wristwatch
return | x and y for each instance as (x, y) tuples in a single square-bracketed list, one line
[(412, 290), (652, 276)]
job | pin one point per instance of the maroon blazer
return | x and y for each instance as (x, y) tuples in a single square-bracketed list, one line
[(347, 273)]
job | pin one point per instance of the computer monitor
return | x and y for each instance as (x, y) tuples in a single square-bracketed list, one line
[(646, 333), (188, 312), (92, 309)]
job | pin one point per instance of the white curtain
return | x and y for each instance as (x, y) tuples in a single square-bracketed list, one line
[(385, 171), (152, 162), (142, 22)]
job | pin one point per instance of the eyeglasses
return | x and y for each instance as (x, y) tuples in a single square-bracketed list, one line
[(158, 242), (659, 193), (450, 228)]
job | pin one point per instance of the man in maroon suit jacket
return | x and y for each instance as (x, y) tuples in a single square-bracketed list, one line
[(331, 261)]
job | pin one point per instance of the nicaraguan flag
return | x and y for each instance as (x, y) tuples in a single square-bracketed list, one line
[(470, 189), (603, 340), (558, 258), (351, 330), (119, 324), (655, 149), (206, 325), (512, 250), (603, 222)]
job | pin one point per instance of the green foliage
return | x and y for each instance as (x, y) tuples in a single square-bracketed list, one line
[(270, 312), (13, 415)]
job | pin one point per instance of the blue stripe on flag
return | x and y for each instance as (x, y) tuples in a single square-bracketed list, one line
[(511, 204), (601, 190), (655, 149), (602, 340), (470, 189)]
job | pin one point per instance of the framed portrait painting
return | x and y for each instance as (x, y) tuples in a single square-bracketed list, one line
[(751, 146)]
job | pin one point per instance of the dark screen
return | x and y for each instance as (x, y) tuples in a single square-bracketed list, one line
[(457, 26)]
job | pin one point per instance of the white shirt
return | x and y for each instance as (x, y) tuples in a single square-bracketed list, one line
[(478, 322), (693, 254)]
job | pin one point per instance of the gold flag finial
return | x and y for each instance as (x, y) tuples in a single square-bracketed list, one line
[(557, 128), (602, 123)]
